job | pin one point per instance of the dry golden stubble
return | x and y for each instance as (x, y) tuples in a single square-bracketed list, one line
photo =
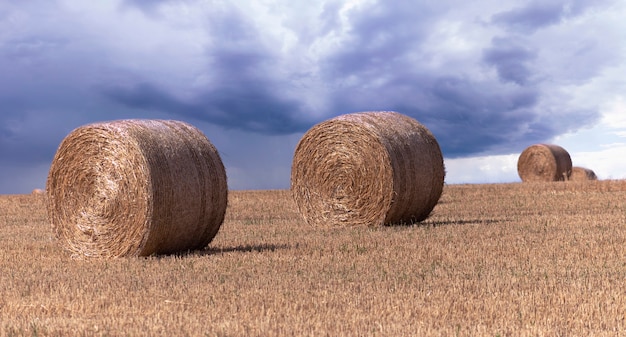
[(582, 174), (136, 188), (543, 163), (368, 168)]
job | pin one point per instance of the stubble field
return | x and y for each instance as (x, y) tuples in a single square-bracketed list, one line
[(492, 260)]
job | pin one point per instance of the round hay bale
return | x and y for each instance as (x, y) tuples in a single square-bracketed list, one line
[(37, 192), (136, 188), (582, 174), (368, 168), (544, 162)]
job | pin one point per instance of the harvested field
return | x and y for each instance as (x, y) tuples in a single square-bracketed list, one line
[(493, 260)]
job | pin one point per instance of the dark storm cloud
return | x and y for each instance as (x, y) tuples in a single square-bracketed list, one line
[(532, 16), (376, 66), (381, 33), (33, 88), (468, 115), (485, 80), (25, 138), (243, 108), (242, 94), (540, 14), (511, 58), (147, 6)]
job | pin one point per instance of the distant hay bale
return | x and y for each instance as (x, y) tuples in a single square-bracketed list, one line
[(136, 188), (368, 168), (582, 174), (37, 192), (544, 162)]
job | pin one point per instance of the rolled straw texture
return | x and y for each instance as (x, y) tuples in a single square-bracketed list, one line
[(368, 168), (136, 188), (582, 174), (544, 162)]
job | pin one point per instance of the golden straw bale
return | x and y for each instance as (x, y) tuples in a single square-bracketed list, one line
[(367, 168), (135, 188), (582, 174), (37, 192), (544, 162)]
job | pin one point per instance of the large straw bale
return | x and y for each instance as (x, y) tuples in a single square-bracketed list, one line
[(136, 188), (544, 162), (582, 174), (368, 168)]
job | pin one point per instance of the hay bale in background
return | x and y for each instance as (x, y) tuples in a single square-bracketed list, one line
[(582, 174), (136, 188), (544, 162), (368, 168), (37, 192)]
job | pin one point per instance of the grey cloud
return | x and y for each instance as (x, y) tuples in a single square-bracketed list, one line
[(46, 92), (467, 115), (473, 117), (511, 58), (31, 49), (535, 15), (246, 86), (250, 108), (330, 16), (371, 70), (242, 93), (380, 34), (26, 139), (148, 7)]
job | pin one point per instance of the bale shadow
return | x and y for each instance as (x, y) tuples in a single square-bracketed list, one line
[(214, 251), (463, 222), (437, 223), (256, 248)]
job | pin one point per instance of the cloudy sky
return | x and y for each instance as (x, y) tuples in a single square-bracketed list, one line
[(488, 78)]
